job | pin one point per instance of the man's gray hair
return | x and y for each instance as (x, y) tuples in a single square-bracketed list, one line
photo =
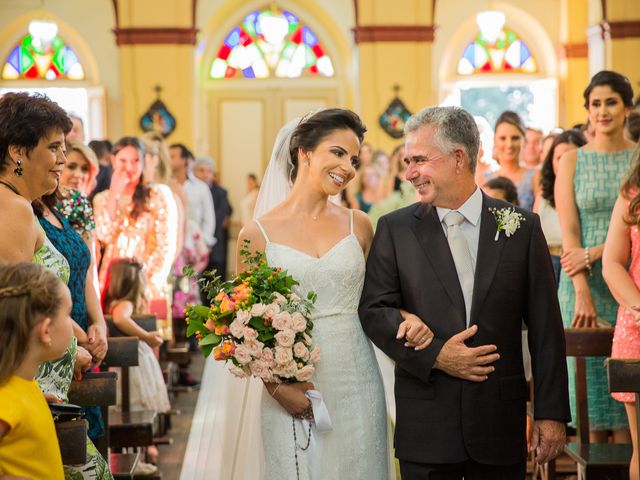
[(454, 127), (204, 160)]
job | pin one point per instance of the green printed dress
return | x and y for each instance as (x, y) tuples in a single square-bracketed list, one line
[(596, 182), (55, 376)]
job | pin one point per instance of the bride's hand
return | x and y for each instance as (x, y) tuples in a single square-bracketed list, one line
[(417, 333), (292, 396)]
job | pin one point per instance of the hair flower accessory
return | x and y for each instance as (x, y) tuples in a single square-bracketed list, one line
[(508, 221)]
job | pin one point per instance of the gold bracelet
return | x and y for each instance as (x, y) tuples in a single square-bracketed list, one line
[(273, 394)]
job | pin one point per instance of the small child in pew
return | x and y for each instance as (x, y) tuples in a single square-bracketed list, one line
[(35, 326), (123, 297)]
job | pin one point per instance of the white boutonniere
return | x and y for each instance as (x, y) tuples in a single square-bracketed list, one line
[(508, 220)]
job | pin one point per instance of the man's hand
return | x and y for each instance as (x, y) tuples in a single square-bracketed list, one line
[(547, 440), (466, 363)]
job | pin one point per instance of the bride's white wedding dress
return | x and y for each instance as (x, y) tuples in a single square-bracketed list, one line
[(347, 374)]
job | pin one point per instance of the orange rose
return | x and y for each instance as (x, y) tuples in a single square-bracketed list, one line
[(228, 348), (221, 330), (211, 326), (218, 354)]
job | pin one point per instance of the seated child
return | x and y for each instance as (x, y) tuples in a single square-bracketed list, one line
[(35, 322)]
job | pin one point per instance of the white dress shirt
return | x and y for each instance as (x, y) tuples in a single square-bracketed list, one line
[(471, 210), (200, 209)]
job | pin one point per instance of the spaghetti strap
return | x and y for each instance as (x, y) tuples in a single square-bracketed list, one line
[(264, 234), (351, 221)]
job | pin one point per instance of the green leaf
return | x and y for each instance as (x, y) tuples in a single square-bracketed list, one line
[(207, 349), (193, 327), (258, 324), (265, 336), (201, 310), (211, 339)]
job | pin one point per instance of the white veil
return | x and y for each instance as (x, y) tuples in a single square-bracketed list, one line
[(276, 184)]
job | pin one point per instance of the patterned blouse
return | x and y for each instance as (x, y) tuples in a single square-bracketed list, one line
[(151, 238)]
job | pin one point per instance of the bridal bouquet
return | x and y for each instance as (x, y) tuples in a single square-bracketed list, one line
[(257, 322)]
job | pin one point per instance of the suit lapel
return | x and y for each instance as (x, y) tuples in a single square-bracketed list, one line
[(489, 252), (433, 242)]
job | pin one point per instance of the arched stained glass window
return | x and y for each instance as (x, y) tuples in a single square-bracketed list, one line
[(36, 59), (508, 54), (271, 42)]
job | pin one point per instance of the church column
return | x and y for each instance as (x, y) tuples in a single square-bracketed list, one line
[(394, 48), (156, 40), (622, 32), (573, 53)]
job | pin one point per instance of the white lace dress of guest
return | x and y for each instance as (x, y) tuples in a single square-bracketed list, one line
[(347, 374)]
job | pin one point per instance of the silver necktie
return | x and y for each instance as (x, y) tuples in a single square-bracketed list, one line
[(461, 257)]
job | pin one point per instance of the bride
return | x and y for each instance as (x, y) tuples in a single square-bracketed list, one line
[(323, 246)]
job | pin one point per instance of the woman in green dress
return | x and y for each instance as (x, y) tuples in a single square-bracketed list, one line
[(586, 189), (32, 156)]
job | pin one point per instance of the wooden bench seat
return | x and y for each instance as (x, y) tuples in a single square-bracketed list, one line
[(72, 438), (132, 429), (595, 461)]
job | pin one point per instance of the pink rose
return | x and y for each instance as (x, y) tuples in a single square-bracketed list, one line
[(242, 354), (305, 373), (250, 333), (280, 298), (298, 322), (301, 351), (243, 316), (283, 355), (315, 355), (307, 339), (258, 309), (291, 369), (237, 328), (238, 372), (260, 369), (285, 338), (271, 310), (282, 321), (254, 347), (267, 355)]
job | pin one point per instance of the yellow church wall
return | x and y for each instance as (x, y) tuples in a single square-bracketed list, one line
[(384, 65), (86, 26), (397, 12), (143, 67), (144, 13), (622, 53)]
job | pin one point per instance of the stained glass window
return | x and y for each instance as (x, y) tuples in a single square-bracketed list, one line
[(35, 59), (271, 42), (508, 54)]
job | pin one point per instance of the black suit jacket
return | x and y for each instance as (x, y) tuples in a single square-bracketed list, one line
[(439, 418)]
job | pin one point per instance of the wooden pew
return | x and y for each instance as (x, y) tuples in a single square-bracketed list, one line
[(99, 389), (598, 461), (126, 428), (624, 376), (72, 439), (149, 324)]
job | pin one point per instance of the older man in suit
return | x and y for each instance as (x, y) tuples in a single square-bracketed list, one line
[(472, 268)]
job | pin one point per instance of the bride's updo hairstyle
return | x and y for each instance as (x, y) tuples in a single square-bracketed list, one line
[(314, 129)]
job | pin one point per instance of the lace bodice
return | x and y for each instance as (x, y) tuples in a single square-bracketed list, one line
[(337, 276), (347, 373)]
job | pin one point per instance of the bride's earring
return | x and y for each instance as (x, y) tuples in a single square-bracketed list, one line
[(306, 162)]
